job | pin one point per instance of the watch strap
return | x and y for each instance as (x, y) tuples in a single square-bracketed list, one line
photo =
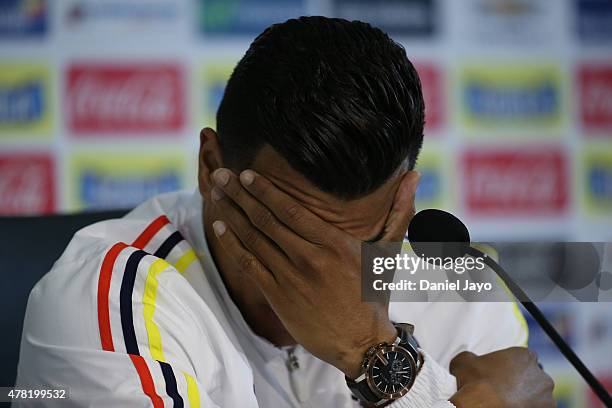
[(361, 390), (407, 340)]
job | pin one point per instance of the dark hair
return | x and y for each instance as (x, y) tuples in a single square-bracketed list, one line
[(338, 99)]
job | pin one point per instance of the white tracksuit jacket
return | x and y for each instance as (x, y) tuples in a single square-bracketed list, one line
[(135, 314)]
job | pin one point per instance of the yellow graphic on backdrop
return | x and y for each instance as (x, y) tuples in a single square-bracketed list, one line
[(25, 100), (122, 180), (513, 99), (432, 191), (212, 78), (595, 179)]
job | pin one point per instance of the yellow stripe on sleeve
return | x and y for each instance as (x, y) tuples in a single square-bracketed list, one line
[(519, 316), (185, 260), (148, 301), (192, 391)]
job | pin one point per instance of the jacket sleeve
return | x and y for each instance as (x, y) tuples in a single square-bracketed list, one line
[(95, 378), (126, 330), (431, 389)]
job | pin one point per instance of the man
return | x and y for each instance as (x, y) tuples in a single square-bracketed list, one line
[(247, 293)]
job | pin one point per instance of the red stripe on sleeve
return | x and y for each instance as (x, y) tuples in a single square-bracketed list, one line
[(146, 380), (146, 235), (106, 271), (104, 281)]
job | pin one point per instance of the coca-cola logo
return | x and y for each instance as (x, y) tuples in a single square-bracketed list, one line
[(432, 94), (515, 182), (26, 185), (596, 97), (135, 99)]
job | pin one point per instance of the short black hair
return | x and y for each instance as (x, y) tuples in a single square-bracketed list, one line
[(338, 99)]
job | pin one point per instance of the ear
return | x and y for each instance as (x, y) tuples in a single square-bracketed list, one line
[(209, 159), (403, 208)]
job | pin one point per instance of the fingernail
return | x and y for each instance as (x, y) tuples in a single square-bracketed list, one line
[(204, 134), (219, 228), (221, 176), (216, 194), (247, 177)]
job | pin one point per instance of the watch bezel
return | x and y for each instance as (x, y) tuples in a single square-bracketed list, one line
[(379, 352)]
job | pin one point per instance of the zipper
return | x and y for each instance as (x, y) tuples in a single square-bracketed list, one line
[(293, 365)]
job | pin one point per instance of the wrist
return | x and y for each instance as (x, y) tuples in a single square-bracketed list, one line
[(351, 362)]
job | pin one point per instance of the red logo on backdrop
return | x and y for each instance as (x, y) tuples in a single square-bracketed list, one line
[(515, 182), (26, 185), (432, 94), (596, 97), (606, 381), (141, 98)]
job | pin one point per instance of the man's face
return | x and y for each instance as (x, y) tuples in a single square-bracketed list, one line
[(364, 218)]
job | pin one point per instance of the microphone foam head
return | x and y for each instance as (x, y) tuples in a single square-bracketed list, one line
[(436, 233), (434, 225)]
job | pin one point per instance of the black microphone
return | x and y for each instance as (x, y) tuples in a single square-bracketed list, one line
[(439, 226)]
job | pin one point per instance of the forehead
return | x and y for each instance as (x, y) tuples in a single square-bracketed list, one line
[(363, 217)]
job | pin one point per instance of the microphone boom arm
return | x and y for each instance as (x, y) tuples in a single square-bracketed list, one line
[(548, 328)]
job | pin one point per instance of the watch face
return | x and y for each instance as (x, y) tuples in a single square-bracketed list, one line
[(391, 372)]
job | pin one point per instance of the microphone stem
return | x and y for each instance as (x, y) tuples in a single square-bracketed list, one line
[(548, 328)]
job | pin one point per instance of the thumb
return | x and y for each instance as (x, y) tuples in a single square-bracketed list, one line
[(402, 209), (461, 365)]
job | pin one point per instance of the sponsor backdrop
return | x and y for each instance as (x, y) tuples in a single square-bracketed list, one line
[(101, 102)]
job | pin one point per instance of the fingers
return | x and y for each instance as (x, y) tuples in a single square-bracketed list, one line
[(460, 361), (286, 209), (403, 209), (259, 215), (253, 239), (477, 394), (463, 357), (246, 261), (513, 374)]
